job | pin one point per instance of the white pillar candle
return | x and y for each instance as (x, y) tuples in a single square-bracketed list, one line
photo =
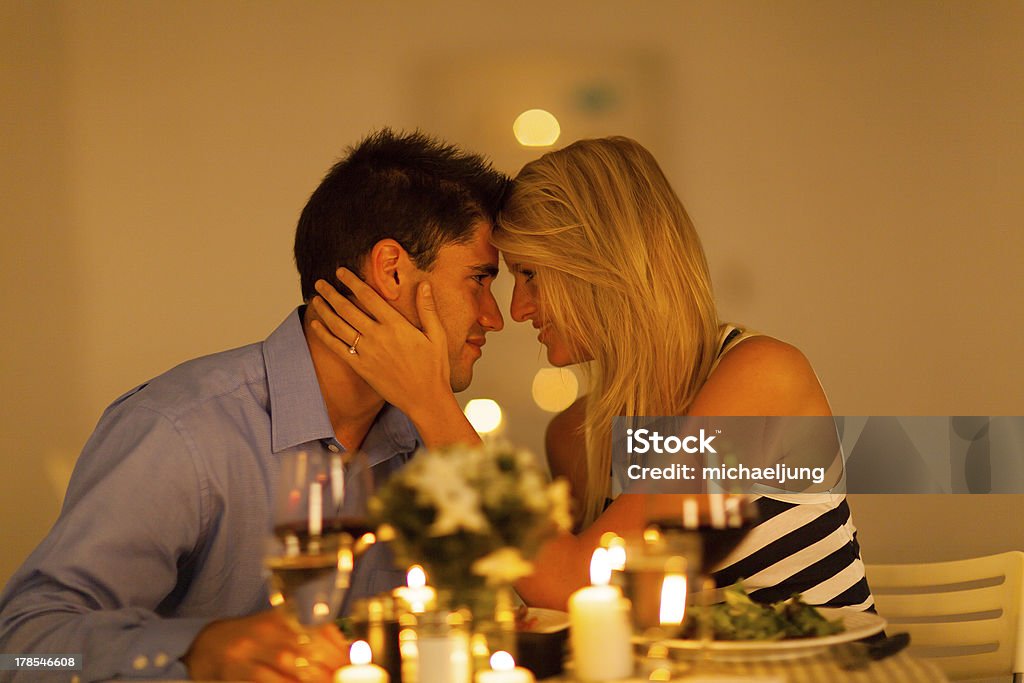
[(444, 659), (504, 670), (361, 670), (600, 632)]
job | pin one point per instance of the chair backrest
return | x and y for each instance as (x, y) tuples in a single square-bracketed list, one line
[(965, 615)]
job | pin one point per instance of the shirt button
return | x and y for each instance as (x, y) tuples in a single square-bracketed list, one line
[(332, 448), (140, 663), (160, 660)]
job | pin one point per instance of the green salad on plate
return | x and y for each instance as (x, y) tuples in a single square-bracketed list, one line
[(740, 618)]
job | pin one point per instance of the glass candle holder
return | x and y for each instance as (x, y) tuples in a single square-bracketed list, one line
[(375, 621)]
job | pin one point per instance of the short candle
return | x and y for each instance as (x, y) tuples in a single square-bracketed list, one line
[(417, 596), (504, 670), (361, 670), (600, 631)]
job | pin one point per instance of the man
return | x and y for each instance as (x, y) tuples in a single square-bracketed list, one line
[(153, 568)]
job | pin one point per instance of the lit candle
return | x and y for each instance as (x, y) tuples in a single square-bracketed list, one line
[(504, 670), (361, 670), (691, 514), (673, 593), (617, 553), (599, 626), (442, 650), (417, 596), (716, 503)]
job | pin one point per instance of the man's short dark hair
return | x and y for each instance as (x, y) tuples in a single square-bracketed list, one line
[(409, 187)]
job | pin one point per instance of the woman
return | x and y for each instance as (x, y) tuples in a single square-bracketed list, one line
[(609, 269), (603, 251)]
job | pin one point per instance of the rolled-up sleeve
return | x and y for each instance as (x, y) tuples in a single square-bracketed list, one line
[(117, 558)]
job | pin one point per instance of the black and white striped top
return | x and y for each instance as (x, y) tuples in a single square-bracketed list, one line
[(804, 543)]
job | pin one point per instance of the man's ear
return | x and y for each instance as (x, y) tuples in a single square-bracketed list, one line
[(387, 269)]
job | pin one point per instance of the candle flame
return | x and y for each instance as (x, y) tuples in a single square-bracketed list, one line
[(716, 501), (691, 514), (416, 578), (502, 661), (345, 560), (673, 599), (600, 567), (359, 654), (478, 645), (417, 593), (617, 554)]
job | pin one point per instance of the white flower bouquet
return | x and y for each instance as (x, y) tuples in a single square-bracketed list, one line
[(473, 517)]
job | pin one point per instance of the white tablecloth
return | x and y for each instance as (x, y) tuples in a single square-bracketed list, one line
[(901, 668)]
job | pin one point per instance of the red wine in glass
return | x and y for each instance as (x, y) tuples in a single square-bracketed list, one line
[(320, 527)]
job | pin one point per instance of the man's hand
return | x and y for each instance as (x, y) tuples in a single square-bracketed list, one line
[(266, 648)]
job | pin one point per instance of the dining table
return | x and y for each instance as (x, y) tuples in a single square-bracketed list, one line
[(820, 668)]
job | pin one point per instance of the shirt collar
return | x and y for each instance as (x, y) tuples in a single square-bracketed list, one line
[(392, 433), (298, 413), (297, 410)]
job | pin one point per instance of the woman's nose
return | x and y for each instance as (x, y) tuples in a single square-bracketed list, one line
[(523, 306)]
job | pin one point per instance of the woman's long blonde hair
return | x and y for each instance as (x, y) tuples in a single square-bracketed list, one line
[(621, 274)]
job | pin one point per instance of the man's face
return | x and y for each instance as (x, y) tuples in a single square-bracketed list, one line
[(461, 281)]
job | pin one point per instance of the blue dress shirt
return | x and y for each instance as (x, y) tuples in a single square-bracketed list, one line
[(163, 525)]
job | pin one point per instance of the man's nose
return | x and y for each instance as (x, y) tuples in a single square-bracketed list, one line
[(522, 306), (490, 314)]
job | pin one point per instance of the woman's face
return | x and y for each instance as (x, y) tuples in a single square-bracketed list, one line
[(526, 305)]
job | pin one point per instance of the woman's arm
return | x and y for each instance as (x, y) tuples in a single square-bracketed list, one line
[(760, 376), (566, 451)]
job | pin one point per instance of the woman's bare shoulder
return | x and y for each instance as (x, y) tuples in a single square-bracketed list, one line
[(762, 376)]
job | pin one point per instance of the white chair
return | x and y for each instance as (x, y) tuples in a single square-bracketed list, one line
[(966, 615)]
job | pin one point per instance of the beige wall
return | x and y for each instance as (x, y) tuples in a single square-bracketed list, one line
[(855, 169)]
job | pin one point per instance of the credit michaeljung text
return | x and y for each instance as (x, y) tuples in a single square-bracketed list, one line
[(817, 454), (779, 474)]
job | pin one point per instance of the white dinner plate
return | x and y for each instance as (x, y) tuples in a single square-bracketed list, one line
[(857, 625), (540, 620)]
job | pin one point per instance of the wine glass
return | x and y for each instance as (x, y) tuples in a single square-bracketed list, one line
[(320, 526), (669, 568)]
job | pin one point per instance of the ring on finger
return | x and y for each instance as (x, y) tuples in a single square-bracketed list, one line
[(355, 342)]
